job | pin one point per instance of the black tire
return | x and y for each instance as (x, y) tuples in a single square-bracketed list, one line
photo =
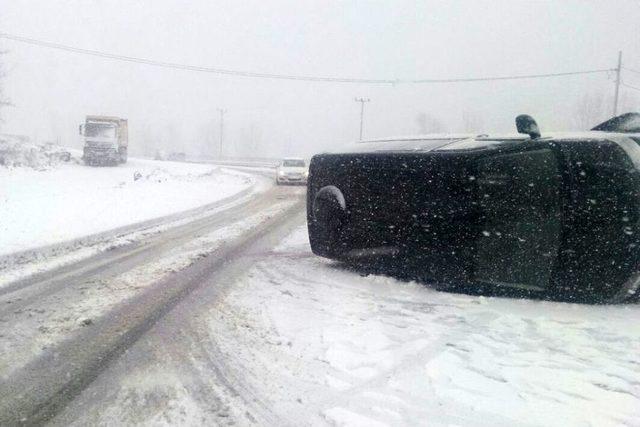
[(328, 223), (626, 292), (123, 154), (634, 299)]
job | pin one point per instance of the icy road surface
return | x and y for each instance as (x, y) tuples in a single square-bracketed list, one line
[(39, 208), (287, 338)]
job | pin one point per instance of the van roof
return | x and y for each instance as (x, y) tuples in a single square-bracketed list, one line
[(507, 136)]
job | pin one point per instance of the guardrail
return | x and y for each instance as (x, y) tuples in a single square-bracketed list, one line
[(249, 163)]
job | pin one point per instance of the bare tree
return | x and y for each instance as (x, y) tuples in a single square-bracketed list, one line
[(208, 139), (590, 110), (428, 124), (472, 122), (147, 141), (628, 102), (251, 137), (4, 102)]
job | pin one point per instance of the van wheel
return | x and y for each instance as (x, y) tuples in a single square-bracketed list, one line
[(328, 223), (628, 292)]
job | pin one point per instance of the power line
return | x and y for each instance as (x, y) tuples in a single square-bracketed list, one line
[(629, 86), (252, 74), (631, 69), (185, 67), (517, 77)]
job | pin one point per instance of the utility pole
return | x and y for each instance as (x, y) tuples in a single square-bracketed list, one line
[(362, 101), (221, 111), (615, 97)]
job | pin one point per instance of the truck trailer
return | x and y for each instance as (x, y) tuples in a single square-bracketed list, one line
[(105, 140)]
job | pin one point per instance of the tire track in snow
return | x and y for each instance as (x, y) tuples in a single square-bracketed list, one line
[(74, 363)]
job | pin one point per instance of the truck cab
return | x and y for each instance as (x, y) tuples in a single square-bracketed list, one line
[(105, 140)]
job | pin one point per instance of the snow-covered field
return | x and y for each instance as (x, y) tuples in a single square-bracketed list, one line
[(44, 207), (323, 345)]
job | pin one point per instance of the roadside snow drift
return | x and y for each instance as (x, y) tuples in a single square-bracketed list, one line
[(43, 207), (20, 153)]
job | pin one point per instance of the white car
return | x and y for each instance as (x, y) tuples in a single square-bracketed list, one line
[(292, 171)]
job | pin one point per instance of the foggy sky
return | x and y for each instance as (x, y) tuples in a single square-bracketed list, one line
[(170, 109)]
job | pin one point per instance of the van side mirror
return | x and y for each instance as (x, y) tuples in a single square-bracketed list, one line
[(526, 124), (81, 129)]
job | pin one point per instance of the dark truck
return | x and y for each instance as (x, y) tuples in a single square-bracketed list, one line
[(555, 214)]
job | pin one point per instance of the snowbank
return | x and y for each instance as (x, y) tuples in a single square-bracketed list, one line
[(16, 152), (44, 207)]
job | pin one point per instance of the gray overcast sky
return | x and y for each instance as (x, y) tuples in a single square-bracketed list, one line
[(53, 90)]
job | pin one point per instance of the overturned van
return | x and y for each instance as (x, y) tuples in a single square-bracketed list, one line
[(557, 214)]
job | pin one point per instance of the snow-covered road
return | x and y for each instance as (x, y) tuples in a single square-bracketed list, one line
[(62, 327), (288, 338)]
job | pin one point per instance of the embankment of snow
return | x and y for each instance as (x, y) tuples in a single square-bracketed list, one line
[(46, 207), (16, 153)]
